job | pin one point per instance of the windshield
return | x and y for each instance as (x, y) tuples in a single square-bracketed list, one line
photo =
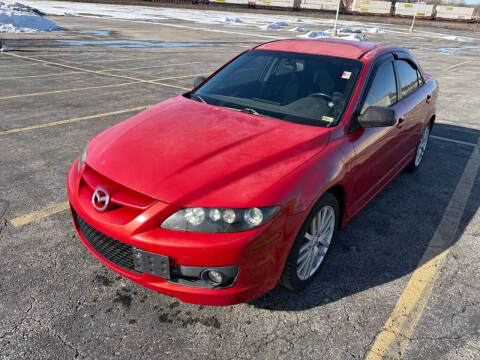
[(303, 88)]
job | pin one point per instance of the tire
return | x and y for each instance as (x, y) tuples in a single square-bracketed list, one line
[(419, 151), (308, 245)]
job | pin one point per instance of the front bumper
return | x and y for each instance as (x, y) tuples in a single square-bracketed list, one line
[(253, 260)]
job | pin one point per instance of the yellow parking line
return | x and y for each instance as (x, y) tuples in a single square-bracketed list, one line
[(43, 75), (181, 77), (38, 57), (151, 67), (102, 71), (40, 214), (392, 341), (98, 87), (97, 72), (130, 59), (17, 65), (68, 121), (66, 90), (456, 65)]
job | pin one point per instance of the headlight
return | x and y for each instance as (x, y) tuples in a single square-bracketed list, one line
[(219, 220), (82, 158)]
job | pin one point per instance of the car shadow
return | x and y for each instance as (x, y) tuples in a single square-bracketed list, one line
[(388, 238)]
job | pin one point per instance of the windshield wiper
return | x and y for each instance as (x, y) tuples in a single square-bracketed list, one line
[(250, 111), (197, 98)]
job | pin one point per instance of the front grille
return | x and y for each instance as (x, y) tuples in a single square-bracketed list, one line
[(119, 253)]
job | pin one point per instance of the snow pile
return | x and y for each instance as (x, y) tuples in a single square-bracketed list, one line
[(299, 29), (327, 34), (354, 37), (16, 17), (317, 35), (375, 30), (359, 30), (450, 37), (275, 26), (233, 20)]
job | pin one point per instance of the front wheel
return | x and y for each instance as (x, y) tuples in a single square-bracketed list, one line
[(420, 151), (311, 244)]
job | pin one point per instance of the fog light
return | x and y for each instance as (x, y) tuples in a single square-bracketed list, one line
[(215, 276)]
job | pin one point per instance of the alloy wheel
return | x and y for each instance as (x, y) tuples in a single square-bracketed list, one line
[(317, 242), (422, 146)]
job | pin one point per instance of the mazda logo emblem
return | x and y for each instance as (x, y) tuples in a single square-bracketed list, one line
[(100, 199)]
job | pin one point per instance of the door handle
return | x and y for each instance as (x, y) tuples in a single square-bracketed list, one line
[(429, 97)]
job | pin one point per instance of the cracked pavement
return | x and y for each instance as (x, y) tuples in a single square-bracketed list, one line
[(58, 302)]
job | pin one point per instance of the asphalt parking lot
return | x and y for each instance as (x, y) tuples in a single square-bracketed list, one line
[(401, 281)]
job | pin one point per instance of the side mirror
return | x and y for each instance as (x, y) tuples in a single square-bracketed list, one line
[(377, 116), (198, 80)]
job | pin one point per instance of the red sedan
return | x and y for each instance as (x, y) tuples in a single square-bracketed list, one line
[(220, 194)]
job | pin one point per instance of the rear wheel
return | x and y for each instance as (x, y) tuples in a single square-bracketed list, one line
[(420, 151), (311, 244)]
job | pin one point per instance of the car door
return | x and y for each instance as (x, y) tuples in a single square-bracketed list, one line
[(377, 150), (413, 98)]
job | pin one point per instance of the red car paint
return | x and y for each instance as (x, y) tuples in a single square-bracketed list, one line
[(181, 153)]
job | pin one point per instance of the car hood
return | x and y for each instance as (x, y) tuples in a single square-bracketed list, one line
[(194, 154)]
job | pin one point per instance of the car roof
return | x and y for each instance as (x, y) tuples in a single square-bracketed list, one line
[(331, 47)]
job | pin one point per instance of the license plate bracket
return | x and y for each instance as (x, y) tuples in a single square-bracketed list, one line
[(150, 263)]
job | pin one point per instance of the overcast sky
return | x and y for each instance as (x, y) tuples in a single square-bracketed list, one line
[(472, 1)]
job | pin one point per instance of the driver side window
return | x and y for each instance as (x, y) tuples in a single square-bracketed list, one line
[(383, 91)]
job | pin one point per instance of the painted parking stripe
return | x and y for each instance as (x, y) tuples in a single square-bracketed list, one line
[(106, 70), (456, 65), (153, 66), (97, 72), (392, 341), (181, 77), (66, 90), (69, 121), (17, 65), (41, 76), (124, 59), (452, 140), (96, 87), (40, 214)]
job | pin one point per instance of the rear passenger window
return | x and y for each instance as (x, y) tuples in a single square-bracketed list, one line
[(383, 91), (408, 77)]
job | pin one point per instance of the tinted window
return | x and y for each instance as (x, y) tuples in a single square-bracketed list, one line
[(304, 88), (383, 91), (249, 72), (407, 75)]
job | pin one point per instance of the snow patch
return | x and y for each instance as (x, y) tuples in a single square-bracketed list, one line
[(354, 37), (450, 37), (299, 29), (361, 30), (276, 25), (16, 17), (327, 34), (316, 35), (375, 30), (233, 20)]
